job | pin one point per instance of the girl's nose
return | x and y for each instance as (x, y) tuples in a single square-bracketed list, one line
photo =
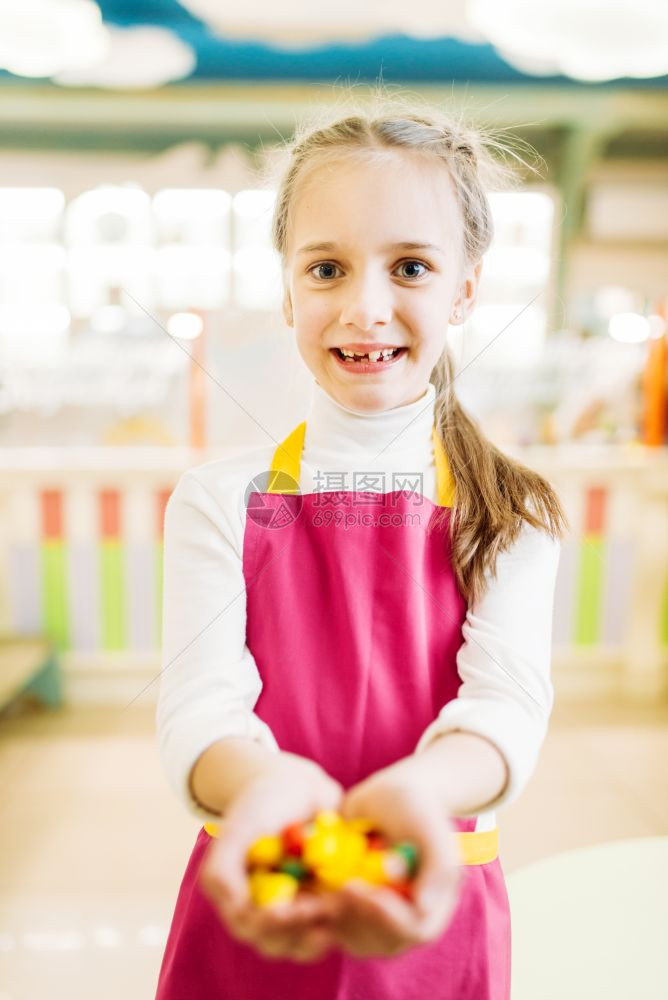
[(367, 303)]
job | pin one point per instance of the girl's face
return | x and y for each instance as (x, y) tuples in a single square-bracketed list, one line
[(353, 281)]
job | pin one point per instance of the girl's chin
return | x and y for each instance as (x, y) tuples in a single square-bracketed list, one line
[(365, 397)]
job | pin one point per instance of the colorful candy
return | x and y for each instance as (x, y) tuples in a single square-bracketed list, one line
[(266, 852), (323, 855), (267, 888)]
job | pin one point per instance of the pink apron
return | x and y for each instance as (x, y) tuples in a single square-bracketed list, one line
[(354, 619)]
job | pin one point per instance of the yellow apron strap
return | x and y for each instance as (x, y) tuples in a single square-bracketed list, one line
[(476, 847), (287, 460), (445, 485)]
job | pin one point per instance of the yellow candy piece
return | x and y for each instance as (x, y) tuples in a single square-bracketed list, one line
[(328, 818), (267, 888), (335, 875), (353, 847), (335, 871), (372, 868), (265, 851), (361, 825), (321, 848)]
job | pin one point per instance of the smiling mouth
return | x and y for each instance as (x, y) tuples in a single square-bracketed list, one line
[(374, 357)]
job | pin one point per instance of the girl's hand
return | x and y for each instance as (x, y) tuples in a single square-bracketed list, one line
[(375, 920), (290, 790)]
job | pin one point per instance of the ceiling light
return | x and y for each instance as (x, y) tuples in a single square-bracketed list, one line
[(592, 41)]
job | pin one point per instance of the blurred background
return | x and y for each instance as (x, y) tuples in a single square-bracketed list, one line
[(141, 334)]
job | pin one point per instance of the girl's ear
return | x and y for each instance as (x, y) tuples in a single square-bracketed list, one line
[(287, 310), (465, 301)]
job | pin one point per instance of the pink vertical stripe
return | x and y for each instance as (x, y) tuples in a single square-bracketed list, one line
[(595, 510), (52, 514), (110, 514), (161, 502)]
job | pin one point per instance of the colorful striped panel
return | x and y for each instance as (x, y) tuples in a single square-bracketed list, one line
[(161, 502), (26, 590), (24, 560), (84, 592), (111, 572), (52, 514), (83, 573), (140, 595), (563, 613), (618, 580), (140, 583), (54, 585), (87, 567), (591, 570), (158, 570)]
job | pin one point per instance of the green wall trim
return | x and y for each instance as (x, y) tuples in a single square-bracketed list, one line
[(111, 595), (589, 590), (54, 593)]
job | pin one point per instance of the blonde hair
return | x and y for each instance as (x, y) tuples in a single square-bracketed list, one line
[(494, 493)]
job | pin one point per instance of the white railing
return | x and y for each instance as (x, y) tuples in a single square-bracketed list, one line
[(81, 558)]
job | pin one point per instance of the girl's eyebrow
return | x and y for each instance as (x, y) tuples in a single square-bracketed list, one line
[(327, 247)]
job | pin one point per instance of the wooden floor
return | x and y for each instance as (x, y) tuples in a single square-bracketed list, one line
[(94, 842)]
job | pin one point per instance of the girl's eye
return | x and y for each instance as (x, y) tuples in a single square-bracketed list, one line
[(316, 267), (412, 263)]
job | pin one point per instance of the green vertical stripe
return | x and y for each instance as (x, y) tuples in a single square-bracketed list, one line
[(54, 591), (589, 591), (111, 595), (159, 550), (664, 616)]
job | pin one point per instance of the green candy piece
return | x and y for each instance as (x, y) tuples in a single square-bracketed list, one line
[(295, 867), (409, 852)]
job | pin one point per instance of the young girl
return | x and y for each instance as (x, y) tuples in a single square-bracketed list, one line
[(366, 626)]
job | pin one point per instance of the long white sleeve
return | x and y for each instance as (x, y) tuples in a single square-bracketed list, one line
[(209, 682), (506, 694)]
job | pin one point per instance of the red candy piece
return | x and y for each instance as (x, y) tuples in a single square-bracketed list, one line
[(293, 840), (404, 889), (376, 842)]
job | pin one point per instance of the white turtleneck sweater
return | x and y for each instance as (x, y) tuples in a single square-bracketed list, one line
[(209, 683)]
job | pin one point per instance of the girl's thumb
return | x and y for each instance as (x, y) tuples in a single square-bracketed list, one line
[(223, 873), (435, 896)]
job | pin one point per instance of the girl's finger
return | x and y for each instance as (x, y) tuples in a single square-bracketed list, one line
[(296, 939), (385, 915), (313, 945), (300, 913), (435, 889), (280, 928), (402, 922), (359, 936), (223, 873)]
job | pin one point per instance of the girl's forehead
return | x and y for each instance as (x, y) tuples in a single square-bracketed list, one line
[(408, 170), (393, 192)]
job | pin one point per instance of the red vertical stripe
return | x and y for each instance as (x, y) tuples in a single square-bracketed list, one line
[(595, 510), (161, 498), (110, 514), (52, 513)]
